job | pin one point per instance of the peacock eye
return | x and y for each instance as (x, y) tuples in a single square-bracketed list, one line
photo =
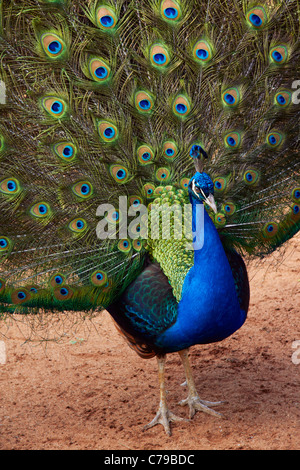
[(197, 190)]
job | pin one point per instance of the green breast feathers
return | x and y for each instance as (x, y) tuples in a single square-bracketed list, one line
[(170, 235)]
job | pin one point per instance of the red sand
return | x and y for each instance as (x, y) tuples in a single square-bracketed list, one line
[(90, 391)]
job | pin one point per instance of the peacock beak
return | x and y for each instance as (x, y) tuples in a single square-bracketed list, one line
[(210, 200)]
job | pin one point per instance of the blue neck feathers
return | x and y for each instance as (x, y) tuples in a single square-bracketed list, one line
[(209, 310)]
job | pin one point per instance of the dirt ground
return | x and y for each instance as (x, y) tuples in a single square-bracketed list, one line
[(88, 390)]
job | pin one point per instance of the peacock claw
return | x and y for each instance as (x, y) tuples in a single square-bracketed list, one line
[(196, 404), (164, 417)]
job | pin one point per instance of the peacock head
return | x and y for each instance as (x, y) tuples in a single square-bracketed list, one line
[(201, 190)]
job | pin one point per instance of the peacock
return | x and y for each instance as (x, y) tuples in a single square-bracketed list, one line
[(148, 150)]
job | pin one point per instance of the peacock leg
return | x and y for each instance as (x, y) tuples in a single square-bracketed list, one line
[(193, 400), (163, 416)]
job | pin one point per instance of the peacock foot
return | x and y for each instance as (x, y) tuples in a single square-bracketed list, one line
[(193, 400), (196, 404), (164, 417)]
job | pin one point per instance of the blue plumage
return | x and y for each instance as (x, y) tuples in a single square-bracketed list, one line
[(209, 310)]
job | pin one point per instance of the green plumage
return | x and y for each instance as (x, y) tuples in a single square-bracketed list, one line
[(170, 244), (106, 99)]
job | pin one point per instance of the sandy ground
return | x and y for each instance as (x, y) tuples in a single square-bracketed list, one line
[(90, 391)]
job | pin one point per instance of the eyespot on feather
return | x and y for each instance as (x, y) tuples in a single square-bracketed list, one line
[(295, 212), (296, 195), (170, 11), (149, 189), (53, 45), (170, 150), (108, 131), (145, 154), (32, 289), (106, 18), (135, 201), (220, 183), (56, 107), (119, 173), (231, 97), (232, 140), (251, 177), (144, 102), (279, 55), (57, 279), (5, 244), (63, 293), (229, 208), (124, 245), (99, 70), (83, 189), (113, 216), (66, 151), (10, 186), (270, 230), (181, 106), (283, 98), (220, 219), (158, 190), (184, 183), (274, 139), (40, 210), (257, 18), (99, 278), (137, 245), (162, 174), (78, 225), (202, 52), (159, 56), (20, 296)]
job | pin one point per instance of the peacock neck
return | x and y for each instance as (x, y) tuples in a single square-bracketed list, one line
[(206, 241)]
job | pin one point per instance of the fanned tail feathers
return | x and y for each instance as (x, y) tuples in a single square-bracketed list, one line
[(106, 99)]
